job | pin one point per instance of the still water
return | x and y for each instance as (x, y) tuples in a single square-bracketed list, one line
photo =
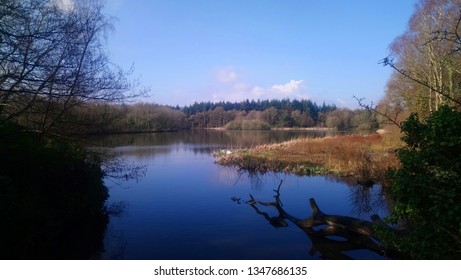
[(184, 206)]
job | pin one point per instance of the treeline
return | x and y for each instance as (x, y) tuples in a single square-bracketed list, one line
[(104, 118), (275, 113), (263, 114), (303, 105)]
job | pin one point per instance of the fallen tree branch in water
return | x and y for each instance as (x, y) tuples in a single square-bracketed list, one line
[(355, 234)]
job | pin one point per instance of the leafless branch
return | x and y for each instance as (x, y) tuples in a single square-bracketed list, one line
[(53, 60), (389, 61), (371, 107)]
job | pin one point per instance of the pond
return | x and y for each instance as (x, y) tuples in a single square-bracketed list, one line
[(184, 206)]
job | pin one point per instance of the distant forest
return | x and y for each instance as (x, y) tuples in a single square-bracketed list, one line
[(102, 118), (278, 113)]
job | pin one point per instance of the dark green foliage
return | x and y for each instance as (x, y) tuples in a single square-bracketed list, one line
[(303, 105), (51, 198), (427, 188)]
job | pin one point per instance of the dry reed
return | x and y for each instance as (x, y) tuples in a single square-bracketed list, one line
[(366, 158)]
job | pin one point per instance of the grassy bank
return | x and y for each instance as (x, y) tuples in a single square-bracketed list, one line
[(365, 158)]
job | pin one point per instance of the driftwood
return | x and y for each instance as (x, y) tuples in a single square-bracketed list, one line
[(323, 229), (353, 224)]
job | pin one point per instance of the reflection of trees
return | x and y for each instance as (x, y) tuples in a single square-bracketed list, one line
[(117, 209), (324, 230), (364, 198), (116, 168), (202, 137), (116, 243), (255, 177)]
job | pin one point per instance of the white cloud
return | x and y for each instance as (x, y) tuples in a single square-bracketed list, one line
[(226, 75), (258, 91), (238, 91), (290, 87), (229, 85)]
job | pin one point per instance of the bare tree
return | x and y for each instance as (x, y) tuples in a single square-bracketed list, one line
[(427, 58), (53, 58)]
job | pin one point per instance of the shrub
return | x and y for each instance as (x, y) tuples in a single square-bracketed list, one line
[(234, 125), (247, 125), (427, 188), (255, 125), (52, 198)]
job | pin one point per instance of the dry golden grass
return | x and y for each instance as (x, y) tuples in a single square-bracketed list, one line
[(367, 158)]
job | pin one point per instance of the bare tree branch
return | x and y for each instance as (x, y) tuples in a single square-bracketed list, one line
[(389, 61), (53, 60), (371, 107)]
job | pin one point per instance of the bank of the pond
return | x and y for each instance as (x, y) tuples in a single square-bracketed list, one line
[(364, 158), (52, 198)]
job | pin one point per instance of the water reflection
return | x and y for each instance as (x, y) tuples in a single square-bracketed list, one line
[(205, 138), (118, 168), (187, 207), (365, 198), (331, 236), (116, 244)]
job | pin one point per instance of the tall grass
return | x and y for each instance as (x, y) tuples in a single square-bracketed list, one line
[(366, 158)]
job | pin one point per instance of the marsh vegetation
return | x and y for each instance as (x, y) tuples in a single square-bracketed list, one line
[(363, 158)]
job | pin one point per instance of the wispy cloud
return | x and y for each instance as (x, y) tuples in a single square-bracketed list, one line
[(226, 75), (258, 91)]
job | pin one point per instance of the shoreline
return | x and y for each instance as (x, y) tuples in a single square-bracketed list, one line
[(272, 129), (204, 128), (302, 129)]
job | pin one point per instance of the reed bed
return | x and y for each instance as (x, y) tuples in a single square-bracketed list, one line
[(365, 158)]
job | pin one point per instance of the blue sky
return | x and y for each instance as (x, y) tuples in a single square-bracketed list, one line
[(231, 50)]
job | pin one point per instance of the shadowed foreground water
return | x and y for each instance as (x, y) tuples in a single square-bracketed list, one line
[(187, 207)]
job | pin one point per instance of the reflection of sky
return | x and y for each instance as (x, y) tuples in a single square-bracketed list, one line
[(182, 208)]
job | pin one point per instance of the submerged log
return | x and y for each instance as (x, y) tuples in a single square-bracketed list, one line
[(355, 233), (319, 218), (346, 222)]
